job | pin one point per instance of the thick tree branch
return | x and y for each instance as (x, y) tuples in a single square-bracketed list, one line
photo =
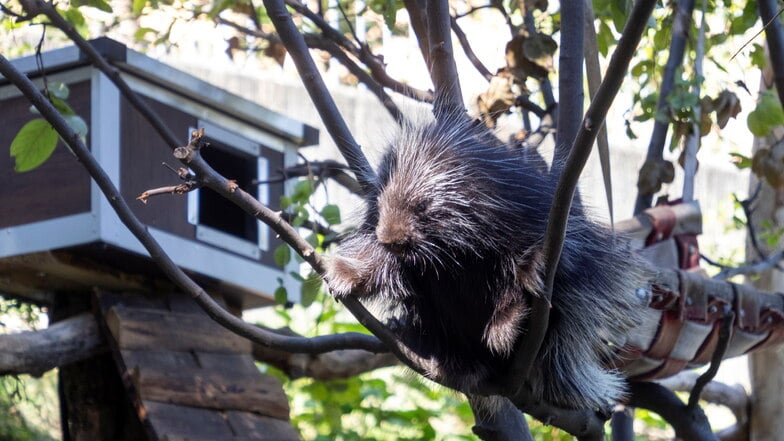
[(570, 80), (327, 366), (774, 35), (416, 11), (690, 424), (443, 70), (593, 72), (530, 342), (175, 274), (498, 420), (321, 98), (35, 352)]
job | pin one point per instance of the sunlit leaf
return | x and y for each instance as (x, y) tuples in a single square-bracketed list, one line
[(33, 145)]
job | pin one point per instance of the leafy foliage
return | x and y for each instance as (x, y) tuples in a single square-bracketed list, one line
[(36, 140)]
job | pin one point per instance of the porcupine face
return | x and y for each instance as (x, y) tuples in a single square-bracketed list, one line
[(435, 199)]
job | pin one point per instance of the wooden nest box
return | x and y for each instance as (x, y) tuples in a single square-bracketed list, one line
[(57, 231)]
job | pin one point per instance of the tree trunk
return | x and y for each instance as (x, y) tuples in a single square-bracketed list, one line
[(767, 375), (94, 404)]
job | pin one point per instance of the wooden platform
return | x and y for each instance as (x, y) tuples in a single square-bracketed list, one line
[(189, 378)]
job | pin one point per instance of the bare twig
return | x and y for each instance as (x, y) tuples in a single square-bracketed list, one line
[(321, 98), (358, 72), (680, 33), (754, 37), (461, 37), (363, 53), (693, 139), (164, 262), (48, 9), (725, 332), (330, 46)]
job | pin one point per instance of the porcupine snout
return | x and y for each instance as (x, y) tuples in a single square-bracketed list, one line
[(395, 231)]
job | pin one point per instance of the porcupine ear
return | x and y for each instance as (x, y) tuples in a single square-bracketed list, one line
[(504, 326)]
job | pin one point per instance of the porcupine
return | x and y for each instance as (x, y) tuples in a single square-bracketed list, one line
[(450, 247)]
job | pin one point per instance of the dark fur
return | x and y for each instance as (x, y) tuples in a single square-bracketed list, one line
[(451, 248)]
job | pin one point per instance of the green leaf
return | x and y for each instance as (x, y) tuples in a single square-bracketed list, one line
[(302, 191), (331, 214), (33, 145), (100, 4), (142, 32), (282, 255), (766, 116), (740, 161), (75, 17), (281, 296), (310, 289), (138, 6), (285, 202)]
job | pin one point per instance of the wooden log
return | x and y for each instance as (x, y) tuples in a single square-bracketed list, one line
[(67, 341)]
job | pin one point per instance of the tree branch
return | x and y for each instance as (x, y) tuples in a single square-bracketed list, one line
[(680, 33), (690, 424), (175, 274), (64, 342), (530, 342), (330, 46), (443, 70), (97, 60), (321, 98), (774, 34), (415, 9), (363, 53), (461, 37), (497, 419), (570, 80), (208, 177)]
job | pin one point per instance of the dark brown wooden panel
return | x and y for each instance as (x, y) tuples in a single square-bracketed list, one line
[(141, 158), (170, 421), (257, 427), (168, 331), (59, 187), (195, 386)]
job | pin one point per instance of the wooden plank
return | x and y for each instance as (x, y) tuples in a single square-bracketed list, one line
[(159, 360), (168, 331), (182, 422), (261, 428), (213, 389)]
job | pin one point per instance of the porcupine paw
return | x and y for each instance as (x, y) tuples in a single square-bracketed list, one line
[(346, 276)]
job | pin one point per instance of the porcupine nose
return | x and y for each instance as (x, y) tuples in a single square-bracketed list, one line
[(394, 236)]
